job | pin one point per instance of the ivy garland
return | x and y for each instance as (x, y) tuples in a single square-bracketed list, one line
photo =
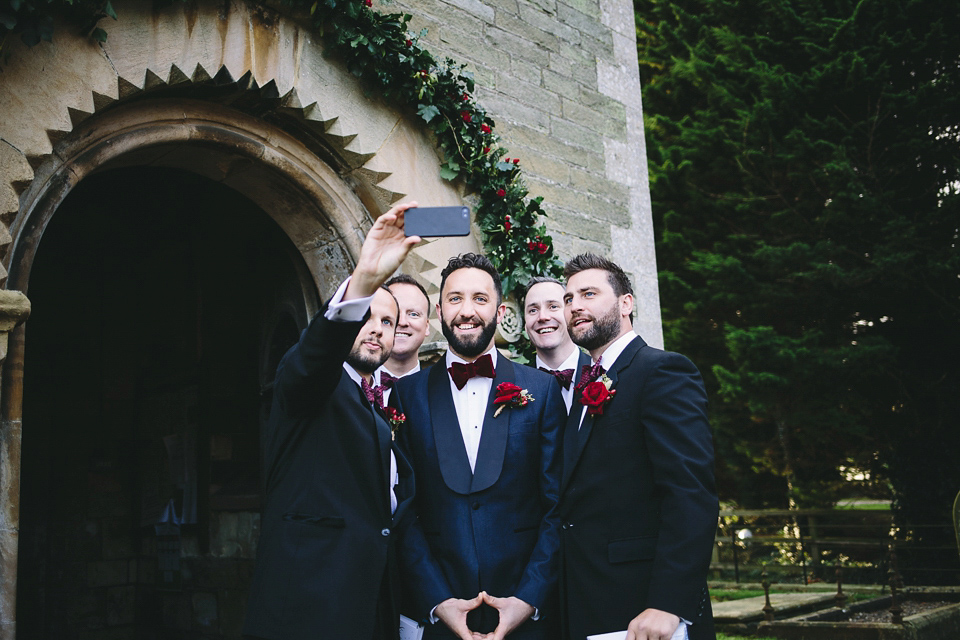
[(381, 51)]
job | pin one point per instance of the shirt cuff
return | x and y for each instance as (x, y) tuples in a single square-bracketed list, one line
[(349, 311)]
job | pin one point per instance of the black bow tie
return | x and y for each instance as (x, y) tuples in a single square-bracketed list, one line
[(589, 374), (460, 372), (563, 376)]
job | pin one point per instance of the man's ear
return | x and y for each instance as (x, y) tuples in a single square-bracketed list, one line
[(626, 305)]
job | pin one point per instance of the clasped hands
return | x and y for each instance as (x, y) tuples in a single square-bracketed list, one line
[(513, 612)]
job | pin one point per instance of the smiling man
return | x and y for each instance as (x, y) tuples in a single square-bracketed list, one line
[(547, 329), (638, 500), (481, 556), (335, 485), (413, 324)]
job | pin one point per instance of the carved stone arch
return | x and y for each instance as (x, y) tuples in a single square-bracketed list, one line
[(235, 93)]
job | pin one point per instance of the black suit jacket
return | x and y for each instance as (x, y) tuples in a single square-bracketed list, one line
[(326, 531), (638, 501), (495, 529)]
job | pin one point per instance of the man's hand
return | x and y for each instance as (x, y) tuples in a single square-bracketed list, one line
[(653, 624), (453, 612), (383, 251), (513, 612)]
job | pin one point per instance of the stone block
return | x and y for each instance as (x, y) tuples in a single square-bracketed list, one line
[(586, 22), (454, 19), (517, 46), (548, 22), (533, 95), (576, 65), (567, 246), (595, 212), (471, 50), (610, 127), (526, 71), (617, 14), (607, 189), (561, 84), (521, 27), (505, 108), (474, 7), (577, 135), (602, 48), (545, 144), (587, 7), (538, 164)]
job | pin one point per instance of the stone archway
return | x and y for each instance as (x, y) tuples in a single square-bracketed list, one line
[(262, 112)]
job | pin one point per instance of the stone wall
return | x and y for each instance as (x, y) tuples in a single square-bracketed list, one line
[(560, 77)]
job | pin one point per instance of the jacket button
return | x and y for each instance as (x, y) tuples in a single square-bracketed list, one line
[(476, 505), (385, 532), (567, 525)]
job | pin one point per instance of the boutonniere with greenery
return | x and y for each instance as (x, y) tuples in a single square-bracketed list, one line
[(596, 395), (396, 420), (510, 395)]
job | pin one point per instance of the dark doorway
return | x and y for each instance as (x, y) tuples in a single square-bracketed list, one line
[(159, 302)]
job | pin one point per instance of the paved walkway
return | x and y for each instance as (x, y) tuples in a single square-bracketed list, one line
[(784, 605)]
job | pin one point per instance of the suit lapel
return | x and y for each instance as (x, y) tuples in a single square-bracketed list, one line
[(493, 437), (383, 440), (577, 434), (451, 452)]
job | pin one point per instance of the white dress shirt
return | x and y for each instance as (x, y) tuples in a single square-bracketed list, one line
[(353, 311), (570, 363), (471, 405), (386, 392)]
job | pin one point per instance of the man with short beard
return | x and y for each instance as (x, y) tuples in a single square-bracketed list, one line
[(481, 555), (547, 329), (335, 486), (638, 500)]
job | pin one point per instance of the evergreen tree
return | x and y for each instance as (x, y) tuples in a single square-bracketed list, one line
[(804, 170)]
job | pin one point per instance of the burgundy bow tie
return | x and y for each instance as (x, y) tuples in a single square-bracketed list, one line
[(589, 374), (374, 394), (461, 372), (386, 380), (563, 376)]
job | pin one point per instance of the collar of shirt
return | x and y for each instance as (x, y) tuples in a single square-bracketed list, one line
[(570, 362), (353, 373), (613, 352), (416, 369)]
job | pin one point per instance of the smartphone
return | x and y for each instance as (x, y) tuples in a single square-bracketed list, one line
[(435, 222)]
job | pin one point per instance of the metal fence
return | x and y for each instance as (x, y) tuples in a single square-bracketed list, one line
[(806, 545)]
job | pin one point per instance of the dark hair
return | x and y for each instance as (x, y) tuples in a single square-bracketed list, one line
[(615, 275), (403, 278), (472, 261), (535, 280)]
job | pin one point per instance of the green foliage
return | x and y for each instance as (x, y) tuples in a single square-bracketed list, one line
[(804, 169)]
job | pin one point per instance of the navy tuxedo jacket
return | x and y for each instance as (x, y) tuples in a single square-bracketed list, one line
[(326, 530), (638, 502), (493, 530)]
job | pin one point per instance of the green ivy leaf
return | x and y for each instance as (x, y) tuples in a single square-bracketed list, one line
[(428, 112), (108, 9), (447, 173), (99, 35)]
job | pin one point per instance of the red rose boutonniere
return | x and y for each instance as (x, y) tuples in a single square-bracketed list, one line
[(510, 395), (597, 394), (396, 420)]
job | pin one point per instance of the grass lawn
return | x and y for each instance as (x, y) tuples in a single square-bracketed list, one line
[(722, 595), (723, 636)]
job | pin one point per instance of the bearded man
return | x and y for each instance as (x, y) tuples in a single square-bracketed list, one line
[(335, 486), (638, 500), (481, 434)]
